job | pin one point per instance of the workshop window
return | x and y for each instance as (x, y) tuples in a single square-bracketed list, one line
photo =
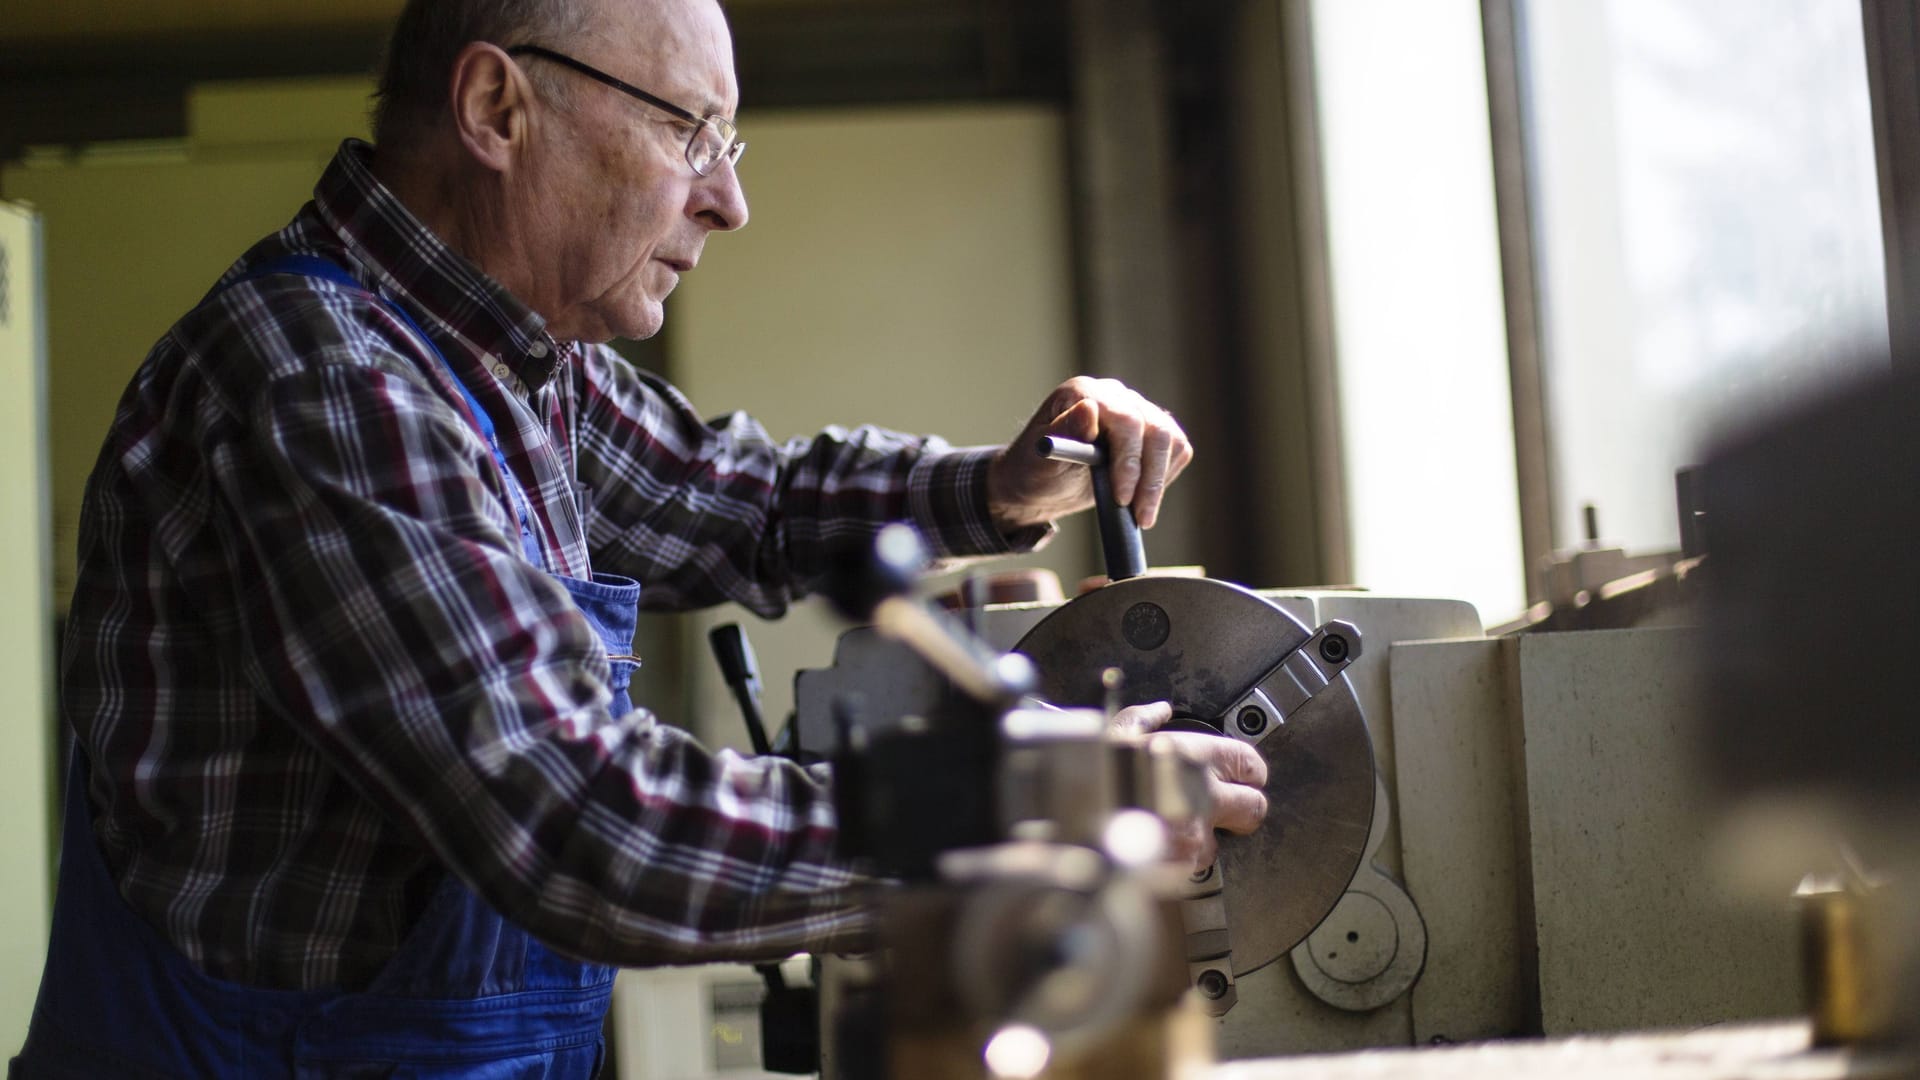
[(1419, 342), (1706, 230)]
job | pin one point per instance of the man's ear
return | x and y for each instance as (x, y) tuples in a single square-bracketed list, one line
[(489, 96)]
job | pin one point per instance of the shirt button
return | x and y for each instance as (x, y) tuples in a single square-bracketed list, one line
[(538, 349), (501, 372)]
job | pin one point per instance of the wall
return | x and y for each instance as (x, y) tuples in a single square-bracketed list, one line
[(904, 267)]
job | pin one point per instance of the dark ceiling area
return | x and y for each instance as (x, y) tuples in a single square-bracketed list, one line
[(80, 90)]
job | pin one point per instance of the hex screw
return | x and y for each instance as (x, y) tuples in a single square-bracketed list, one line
[(1213, 984), (1252, 720), (1333, 648)]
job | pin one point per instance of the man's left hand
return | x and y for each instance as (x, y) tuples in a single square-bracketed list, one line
[(1147, 451), (1236, 775)]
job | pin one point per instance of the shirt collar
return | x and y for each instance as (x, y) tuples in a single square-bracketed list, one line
[(414, 265)]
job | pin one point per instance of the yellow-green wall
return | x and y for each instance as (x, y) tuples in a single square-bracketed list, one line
[(904, 267)]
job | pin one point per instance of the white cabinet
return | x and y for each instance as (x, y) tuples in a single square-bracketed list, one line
[(26, 625)]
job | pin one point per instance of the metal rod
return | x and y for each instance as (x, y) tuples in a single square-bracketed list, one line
[(1063, 449)]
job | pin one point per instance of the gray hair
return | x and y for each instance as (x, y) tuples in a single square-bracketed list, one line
[(430, 34)]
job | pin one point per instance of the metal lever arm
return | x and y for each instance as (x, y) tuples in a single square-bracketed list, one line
[(742, 673), (1119, 532)]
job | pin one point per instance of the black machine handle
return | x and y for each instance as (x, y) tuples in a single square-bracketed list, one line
[(1119, 533), (742, 673), (789, 1032)]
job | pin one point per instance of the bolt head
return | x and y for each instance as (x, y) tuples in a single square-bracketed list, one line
[(1212, 984), (1333, 648)]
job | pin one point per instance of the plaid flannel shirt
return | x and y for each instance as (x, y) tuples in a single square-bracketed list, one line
[(312, 667)]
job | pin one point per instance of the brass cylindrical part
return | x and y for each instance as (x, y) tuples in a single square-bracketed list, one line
[(1846, 978)]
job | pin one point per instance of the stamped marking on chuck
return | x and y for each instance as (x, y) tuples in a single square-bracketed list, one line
[(1146, 626)]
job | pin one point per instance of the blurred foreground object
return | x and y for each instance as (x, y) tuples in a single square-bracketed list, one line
[(1027, 922), (1842, 918), (1774, 1050), (1813, 622)]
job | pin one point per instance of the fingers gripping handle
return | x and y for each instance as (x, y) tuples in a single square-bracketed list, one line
[(1119, 533)]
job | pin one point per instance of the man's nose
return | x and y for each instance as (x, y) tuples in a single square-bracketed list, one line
[(718, 200)]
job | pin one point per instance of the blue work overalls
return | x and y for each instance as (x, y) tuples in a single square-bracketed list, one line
[(468, 994)]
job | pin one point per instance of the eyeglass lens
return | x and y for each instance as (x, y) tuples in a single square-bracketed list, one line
[(712, 140)]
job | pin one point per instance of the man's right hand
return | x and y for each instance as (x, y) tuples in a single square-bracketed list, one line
[(1236, 773)]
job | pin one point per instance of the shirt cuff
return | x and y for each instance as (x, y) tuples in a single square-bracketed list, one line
[(947, 496)]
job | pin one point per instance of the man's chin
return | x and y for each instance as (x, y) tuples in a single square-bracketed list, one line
[(642, 321), (645, 328)]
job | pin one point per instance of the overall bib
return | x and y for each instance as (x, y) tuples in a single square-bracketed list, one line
[(468, 994)]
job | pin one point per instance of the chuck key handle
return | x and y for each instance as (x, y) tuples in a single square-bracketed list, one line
[(1119, 533)]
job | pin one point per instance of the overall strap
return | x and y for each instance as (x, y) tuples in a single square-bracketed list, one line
[(306, 266)]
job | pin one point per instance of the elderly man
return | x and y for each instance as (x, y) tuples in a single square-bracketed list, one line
[(358, 789)]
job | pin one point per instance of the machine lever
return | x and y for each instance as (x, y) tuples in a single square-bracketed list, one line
[(1119, 532), (742, 673), (789, 1036)]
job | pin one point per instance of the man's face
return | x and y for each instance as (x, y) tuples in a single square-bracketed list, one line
[(616, 206)]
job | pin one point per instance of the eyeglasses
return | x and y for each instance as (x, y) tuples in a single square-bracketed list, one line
[(713, 138)]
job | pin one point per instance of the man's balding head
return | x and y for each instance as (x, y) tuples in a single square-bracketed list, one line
[(429, 35), (576, 192)]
